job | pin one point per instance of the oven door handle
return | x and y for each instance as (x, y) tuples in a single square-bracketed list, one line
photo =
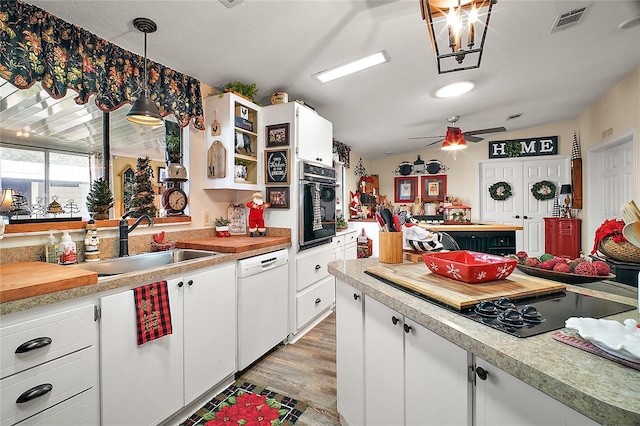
[(304, 181)]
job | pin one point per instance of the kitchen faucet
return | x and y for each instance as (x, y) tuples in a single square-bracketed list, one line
[(123, 228)]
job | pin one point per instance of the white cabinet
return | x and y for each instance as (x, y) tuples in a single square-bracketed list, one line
[(315, 137), (344, 246), (350, 353), (146, 384), (412, 375), (240, 143), (315, 288), (50, 368), (501, 399)]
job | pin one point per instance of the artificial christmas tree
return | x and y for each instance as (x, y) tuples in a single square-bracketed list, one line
[(100, 199), (143, 200)]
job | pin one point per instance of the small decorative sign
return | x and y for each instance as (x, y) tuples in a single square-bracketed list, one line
[(278, 197), (278, 135), (547, 145), (237, 215), (277, 166)]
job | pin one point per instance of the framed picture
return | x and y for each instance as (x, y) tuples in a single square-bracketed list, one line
[(278, 135), (276, 167), (406, 189), (162, 174), (434, 188), (278, 197)]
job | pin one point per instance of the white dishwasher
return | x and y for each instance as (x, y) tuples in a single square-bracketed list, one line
[(263, 305)]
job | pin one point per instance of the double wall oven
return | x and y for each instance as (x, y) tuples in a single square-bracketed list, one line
[(317, 218)]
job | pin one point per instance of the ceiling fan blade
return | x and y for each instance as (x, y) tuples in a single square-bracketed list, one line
[(434, 142), (425, 137), (470, 138), (485, 131)]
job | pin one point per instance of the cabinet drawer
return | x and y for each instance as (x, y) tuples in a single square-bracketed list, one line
[(81, 410), (68, 375), (312, 266), (337, 241), (314, 301), (350, 238), (69, 331)]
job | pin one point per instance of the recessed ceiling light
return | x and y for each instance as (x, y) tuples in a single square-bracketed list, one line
[(352, 67), (454, 89)]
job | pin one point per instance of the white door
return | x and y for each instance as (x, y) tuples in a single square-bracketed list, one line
[(521, 208), (611, 181)]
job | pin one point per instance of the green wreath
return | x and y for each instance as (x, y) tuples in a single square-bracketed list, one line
[(500, 191), (513, 149), (543, 190)]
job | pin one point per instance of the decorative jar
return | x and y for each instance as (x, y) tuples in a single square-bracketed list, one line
[(457, 214)]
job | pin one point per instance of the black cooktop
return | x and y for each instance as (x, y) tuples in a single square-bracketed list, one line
[(531, 316)]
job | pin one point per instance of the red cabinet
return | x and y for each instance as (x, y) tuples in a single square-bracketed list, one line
[(562, 236)]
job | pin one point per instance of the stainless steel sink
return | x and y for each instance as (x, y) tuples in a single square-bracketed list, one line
[(140, 262)]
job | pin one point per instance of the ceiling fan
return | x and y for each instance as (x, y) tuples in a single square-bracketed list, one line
[(468, 136)]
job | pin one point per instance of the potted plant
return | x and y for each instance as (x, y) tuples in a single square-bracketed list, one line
[(341, 223), (247, 91), (100, 199), (222, 227)]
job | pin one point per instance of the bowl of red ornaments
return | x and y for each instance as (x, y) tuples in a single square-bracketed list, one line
[(564, 269)]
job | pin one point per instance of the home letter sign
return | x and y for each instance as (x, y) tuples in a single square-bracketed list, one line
[(547, 145)]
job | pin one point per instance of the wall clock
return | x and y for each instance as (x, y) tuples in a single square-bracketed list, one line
[(174, 201)]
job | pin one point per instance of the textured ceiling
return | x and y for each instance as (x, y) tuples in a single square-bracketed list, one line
[(280, 44)]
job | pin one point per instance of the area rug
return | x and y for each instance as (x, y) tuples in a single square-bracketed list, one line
[(246, 404)]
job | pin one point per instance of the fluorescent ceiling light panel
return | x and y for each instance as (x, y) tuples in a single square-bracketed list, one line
[(352, 67), (454, 89)]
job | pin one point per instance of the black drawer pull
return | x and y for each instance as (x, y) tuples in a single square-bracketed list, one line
[(318, 267), (394, 320), (318, 300), (407, 328), (356, 296), (37, 343), (34, 392), (180, 284), (482, 373), (190, 282)]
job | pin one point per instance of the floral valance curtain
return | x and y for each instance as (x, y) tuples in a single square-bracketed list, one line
[(37, 46)]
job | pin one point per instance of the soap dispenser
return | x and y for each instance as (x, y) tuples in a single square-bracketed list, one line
[(67, 254), (51, 249)]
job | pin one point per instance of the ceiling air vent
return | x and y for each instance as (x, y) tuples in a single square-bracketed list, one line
[(231, 3), (568, 19), (514, 116)]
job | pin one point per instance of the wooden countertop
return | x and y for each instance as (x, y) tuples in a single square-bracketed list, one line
[(233, 244), (470, 228), (27, 279), (600, 389)]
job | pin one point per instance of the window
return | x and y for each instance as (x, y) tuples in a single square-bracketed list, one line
[(43, 176)]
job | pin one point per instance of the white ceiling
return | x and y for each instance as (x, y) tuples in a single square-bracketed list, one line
[(279, 44)]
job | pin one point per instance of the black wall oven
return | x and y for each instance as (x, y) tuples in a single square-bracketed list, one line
[(317, 219)]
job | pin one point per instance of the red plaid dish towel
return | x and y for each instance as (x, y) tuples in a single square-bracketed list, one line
[(153, 315)]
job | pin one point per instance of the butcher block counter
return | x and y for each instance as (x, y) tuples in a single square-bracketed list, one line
[(29, 285), (602, 390), (233, 244)]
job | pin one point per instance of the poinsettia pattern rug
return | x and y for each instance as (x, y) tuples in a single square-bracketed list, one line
[(243, 403)]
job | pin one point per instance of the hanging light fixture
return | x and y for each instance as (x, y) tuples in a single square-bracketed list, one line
[(454, 141), (448, 21), (144, 110)]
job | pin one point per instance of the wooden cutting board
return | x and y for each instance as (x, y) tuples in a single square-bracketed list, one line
[(233, 244), (459, 295), (28, 279)]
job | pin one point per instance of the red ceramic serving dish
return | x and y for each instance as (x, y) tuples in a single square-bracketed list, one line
[(469, 266)]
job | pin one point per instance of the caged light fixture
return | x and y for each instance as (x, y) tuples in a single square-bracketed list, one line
[(448, 21), (144, 110)]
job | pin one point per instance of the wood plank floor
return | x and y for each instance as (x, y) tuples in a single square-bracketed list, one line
[(305, 370)]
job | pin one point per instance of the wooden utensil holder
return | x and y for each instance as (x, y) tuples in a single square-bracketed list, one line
[(390, 247)]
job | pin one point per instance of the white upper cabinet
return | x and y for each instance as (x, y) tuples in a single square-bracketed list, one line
[(315, 137), (233, 147)]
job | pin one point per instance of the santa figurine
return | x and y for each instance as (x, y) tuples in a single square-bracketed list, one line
[(256, 221)]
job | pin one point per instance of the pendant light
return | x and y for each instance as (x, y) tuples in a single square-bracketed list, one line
[(454, 140), (144, 110)]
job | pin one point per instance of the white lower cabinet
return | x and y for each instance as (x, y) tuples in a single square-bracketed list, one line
[(350, 353), (50, 367), (315, 288), (145, 384), (501, 399)]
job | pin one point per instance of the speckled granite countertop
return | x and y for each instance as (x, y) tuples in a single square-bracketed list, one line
[(124, 280), (601, 389)]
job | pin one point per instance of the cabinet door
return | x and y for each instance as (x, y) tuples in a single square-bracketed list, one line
[(140, 385), (314, 137), (436, 385), (209, 329), (384, 365), (502, 399), (350, 353)]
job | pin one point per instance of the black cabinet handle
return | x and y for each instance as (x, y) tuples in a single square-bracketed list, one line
[(407, 328), (190, 282), (482, 373), (180, 284), (34, 392), (526, 217), (394, 320), (356, 296), (517, 216), (318, 300), (37, 343), (318, 267)]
